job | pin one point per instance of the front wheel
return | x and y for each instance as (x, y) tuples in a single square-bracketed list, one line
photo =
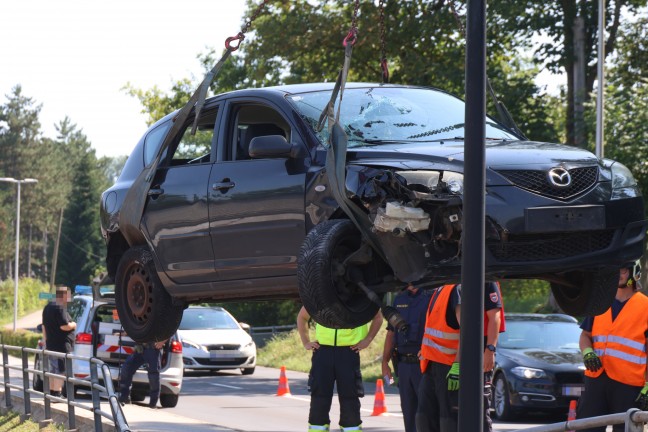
[(247, 371), (146, 310), (328, 295), (587, 293), (501, 399)]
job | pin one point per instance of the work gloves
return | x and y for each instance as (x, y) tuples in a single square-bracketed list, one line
[(453, 377), (642, 399), (591, 360)]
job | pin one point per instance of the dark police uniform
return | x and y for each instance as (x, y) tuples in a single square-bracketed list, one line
[(152, 356)]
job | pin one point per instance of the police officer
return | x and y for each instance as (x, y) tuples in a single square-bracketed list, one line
[(151, 354), (614, 351), (336, 360), (438, 391), (404, 346)]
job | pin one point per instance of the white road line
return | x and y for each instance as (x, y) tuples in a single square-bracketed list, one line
[(387, 414), (226, 386)]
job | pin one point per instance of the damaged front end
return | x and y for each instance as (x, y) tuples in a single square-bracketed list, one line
[(416, 216)]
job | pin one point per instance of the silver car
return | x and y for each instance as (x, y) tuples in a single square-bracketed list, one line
[(212, 339)]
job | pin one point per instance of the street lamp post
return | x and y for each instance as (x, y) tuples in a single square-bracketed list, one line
[(17, 182)]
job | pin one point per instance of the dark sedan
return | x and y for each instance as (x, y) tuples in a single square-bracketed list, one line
[(539, 365)]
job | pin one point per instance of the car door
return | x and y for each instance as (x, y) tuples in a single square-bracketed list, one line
[(176, 214), (256, 206)]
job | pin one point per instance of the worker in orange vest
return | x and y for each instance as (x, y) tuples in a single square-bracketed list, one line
[(438, 391), (614, 346)]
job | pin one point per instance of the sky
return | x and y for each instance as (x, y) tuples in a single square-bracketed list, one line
[(74, 57)]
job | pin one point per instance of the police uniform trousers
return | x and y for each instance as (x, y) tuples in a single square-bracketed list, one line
[(153, 359), (438, 407), (409, 378), (602, 396), (338, 365)]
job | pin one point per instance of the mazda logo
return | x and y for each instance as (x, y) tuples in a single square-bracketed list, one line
[(559, 177)]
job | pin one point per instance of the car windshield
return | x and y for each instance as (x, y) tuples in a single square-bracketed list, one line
[(207, 319), (541, 335), (391, 115)]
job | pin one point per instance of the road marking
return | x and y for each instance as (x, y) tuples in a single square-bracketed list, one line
[(226, 386), (387, 414)]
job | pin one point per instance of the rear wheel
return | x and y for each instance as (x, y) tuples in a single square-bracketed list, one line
[(587, 293), (328, 295), (146, 310), (169, 400), (137, 397)]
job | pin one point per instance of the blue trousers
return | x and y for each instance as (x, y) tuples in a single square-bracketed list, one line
[(409, 378), (153, 359)]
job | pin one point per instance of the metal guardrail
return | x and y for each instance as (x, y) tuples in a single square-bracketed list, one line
[(272, 329), (97, 368), (634, 420)]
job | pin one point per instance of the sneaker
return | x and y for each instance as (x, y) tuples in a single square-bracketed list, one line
[(152, 405)]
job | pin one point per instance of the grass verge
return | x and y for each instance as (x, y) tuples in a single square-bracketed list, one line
[(11, 422)]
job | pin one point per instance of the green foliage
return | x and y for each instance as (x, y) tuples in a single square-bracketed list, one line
[(12, 422), (264, 313), (286, 349), (20, 337), (28, 300), (525, 295)]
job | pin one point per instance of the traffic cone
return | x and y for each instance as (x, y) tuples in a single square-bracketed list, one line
[(283, 389), (379, 401), (572, 411)]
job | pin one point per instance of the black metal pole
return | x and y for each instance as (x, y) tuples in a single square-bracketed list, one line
[(471, 386)]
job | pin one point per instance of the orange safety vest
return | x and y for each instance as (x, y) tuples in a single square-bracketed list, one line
[(621, 344), (440, 341)]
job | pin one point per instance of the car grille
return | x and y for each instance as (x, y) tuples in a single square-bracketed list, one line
[(223, 347), (569, 378), (582, 179), (540, 247), (229, 362)]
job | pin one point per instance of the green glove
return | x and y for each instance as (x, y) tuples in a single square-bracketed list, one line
[(591, 360), (453, 377), (642, 399)]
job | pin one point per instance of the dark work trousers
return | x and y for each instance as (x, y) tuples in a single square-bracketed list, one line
[(438, 407), (604, 395), (153, 358), (409, 378), (335, 365)]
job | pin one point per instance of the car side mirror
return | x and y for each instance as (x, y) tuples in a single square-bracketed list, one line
[(245, 326), (273, 146)]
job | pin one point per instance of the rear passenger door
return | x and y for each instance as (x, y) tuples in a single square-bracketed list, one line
[(256, 206)]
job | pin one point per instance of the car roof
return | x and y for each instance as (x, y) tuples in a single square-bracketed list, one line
[(555, 317)]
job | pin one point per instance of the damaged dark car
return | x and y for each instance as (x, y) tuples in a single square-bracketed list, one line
[(257, 204)]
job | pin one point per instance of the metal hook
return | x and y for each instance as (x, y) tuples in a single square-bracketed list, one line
[(239, 37), (351, 37)]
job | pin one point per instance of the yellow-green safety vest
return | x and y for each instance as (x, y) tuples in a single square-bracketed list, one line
[(340, 337)]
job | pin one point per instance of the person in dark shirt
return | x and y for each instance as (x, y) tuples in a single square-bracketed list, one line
[(58, 335)]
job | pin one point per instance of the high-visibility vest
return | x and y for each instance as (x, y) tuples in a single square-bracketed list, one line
[(340, 337), (621, 344), (440, 341)]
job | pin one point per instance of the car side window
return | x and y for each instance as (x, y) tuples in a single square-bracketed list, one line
[(75, 309), (153, 141), (193, 149), (253, 120)]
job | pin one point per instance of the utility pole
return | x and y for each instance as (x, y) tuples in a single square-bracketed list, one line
[(600, 95), (56, 249), (579, 82)]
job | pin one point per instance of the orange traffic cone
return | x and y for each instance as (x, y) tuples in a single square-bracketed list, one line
[(572, 411), (379, 401), (283, 383)]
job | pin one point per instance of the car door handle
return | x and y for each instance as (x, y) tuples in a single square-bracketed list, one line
[(223, 186), (155, 192)]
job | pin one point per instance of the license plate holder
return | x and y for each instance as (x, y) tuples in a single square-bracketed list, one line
[(573, 390), (564, 219)]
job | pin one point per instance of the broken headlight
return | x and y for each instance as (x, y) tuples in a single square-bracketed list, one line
[(436, 181), (624, 184)]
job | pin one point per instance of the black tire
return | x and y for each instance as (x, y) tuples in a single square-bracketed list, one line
[(169, 400), (137, 397), (146, 310), (247, 371), (502, 400), (37, 381), (327, 294), (587, 293)]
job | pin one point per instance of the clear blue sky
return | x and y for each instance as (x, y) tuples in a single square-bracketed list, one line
[(74, 56)]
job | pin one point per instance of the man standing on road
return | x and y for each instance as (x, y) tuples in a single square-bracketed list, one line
[(151, 354), (336, 360), (58, 335), (404, 346), (438, 391), (614, 346)]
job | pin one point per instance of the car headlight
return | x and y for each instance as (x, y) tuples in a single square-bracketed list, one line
[(528, 373), (624, 184), (189, 344), (431, 179), (248, 345)]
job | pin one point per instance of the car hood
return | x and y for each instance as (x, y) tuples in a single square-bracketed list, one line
[(499, 154), (214, 337), (539, 358)]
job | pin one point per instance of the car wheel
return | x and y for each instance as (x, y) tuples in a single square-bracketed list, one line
[(247, 371), (137, 397), (146, 310), (501, 399), (328, 295), (37, 381), (169, 400), (587, 293)]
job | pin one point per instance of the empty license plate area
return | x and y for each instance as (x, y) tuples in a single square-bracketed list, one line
[(564, 219)]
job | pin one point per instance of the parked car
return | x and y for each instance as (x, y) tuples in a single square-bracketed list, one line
[(99, 334), (212, 340), (539, 366), (247, 209)]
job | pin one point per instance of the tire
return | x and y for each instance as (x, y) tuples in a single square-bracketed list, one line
[(146, 310), (37, 381), (137, 397), (502, 400), (169, 400), (326, 292), (247, 371), (587, 293)]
